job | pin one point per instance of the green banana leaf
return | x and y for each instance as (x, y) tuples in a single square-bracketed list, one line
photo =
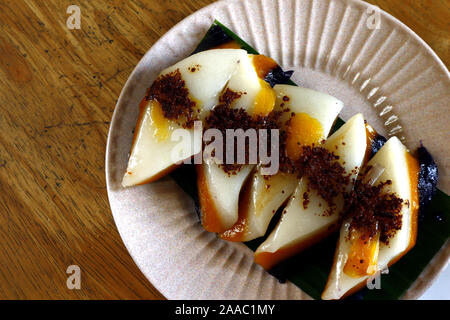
[(309, 269)]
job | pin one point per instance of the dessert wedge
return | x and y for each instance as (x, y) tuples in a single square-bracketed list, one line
[(309, 217), (181, 94), (381, 224), (220, 185)]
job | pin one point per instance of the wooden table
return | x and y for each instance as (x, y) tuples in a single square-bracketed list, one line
[(58, 89)]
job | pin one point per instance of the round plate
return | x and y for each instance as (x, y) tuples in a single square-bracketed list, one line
[(364, 57)]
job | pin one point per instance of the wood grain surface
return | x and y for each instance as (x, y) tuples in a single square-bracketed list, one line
[(58, 88)]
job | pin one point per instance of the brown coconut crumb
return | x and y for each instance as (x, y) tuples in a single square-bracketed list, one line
[(224, 117), (228, 97), (324, 173), (374, 209), (171, 92), (305, 200)]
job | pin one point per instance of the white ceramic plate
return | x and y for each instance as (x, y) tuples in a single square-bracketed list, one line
[(388, 73)]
